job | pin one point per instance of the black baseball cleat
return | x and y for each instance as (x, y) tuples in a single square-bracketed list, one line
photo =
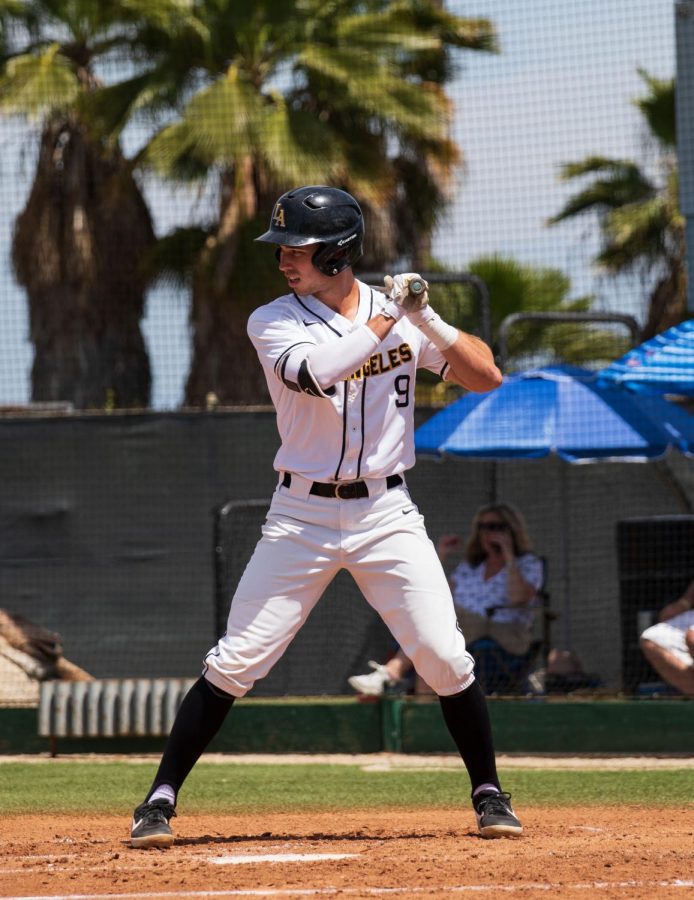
[(150, 826), (495, 815)]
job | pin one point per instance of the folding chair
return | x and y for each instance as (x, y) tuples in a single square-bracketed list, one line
[(501, 672)]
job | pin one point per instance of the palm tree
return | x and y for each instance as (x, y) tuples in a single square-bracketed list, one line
[(518, 288), (642, 229), (266, 95), (79, 242)]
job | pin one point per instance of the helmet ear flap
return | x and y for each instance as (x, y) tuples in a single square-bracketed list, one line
[(331, 260)]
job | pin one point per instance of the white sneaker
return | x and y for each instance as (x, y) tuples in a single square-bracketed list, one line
[(373, 684)]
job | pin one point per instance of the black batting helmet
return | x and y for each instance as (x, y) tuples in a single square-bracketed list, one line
[(319, 215)]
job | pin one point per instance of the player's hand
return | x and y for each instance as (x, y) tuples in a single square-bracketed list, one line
[(409, 290)]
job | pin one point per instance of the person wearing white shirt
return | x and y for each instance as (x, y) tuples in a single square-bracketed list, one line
[(495, 590)]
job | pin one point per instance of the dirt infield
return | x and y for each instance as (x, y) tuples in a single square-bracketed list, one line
[(626, 852)]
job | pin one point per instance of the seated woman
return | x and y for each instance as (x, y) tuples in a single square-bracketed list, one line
[(494, 589)]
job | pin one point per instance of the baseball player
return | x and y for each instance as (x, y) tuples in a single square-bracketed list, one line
[(341, 361)]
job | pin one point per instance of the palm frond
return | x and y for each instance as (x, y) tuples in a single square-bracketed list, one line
[(296, 147), (636, 235), (618, 169), (658, 108), (171, 154), (220, 124), (624, 183), (404, 17), (384, 31), (379, 93), (36, 85), (110, 108), (172, 258)]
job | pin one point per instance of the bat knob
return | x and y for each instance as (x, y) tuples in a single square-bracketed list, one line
[(416, 286)]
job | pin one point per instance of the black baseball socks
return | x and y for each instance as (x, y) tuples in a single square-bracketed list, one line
[(199, 718), (467, 718)]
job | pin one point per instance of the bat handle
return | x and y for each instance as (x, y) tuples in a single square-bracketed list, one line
[(416, 286)]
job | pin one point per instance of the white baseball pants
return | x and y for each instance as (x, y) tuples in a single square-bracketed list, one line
[(381, 540)]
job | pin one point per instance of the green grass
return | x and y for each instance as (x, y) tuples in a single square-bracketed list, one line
[(63, 786)]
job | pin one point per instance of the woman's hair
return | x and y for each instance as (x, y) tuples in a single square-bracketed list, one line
[(474, 552)]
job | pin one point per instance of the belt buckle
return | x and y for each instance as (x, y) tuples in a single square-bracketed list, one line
[(349, 487)]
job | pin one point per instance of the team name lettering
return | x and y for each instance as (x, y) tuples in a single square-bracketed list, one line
[(380, 363)]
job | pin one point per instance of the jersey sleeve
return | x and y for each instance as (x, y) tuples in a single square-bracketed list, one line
[(282, 345), (431, 358), (531, 569)]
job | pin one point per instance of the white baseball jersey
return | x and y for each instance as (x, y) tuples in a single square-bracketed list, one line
[(362, 427)]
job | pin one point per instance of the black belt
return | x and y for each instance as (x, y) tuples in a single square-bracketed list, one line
[(343, 490)]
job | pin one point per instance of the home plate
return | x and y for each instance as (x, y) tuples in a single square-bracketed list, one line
[(277, 858)]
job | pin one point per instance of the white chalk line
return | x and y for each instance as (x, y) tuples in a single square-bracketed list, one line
[(54, 863), (276, 858), (375, 892)]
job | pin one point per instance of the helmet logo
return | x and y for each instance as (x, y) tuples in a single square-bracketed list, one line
[(278, 216), (346, 240)]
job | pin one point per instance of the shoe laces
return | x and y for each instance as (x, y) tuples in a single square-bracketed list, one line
[(494, 803), (156, 811)]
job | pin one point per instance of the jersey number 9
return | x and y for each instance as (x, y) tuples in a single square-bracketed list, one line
[(402, 389)]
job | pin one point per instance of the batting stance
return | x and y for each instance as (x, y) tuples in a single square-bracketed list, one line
[(341, 361)]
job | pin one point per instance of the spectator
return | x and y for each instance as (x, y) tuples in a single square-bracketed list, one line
[(669, 644), (494, 589)]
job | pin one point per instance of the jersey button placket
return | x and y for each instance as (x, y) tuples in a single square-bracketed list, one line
[(353, 431)]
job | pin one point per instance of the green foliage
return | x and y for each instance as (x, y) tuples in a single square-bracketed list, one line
[(172, 257), (32, 85), (71, 787), (621, 184), (658, 108), (518, 288)]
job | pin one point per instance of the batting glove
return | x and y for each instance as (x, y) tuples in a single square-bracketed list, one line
[(408, 295), (409, 292)]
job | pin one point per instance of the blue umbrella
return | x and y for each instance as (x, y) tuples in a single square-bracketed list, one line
[(664, 364), (562, 410)]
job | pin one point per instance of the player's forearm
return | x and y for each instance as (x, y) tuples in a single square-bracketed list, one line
[(334, 361), (472, 364)]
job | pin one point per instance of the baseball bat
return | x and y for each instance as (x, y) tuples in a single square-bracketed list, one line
[(416, 286)]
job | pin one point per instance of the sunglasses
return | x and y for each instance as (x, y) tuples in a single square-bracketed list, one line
[(493, 526)]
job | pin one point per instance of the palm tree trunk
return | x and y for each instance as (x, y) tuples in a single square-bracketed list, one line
[(667, 303), (77, 250), (224, 364)]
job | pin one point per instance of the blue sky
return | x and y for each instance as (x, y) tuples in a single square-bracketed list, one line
[(561, 89)]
